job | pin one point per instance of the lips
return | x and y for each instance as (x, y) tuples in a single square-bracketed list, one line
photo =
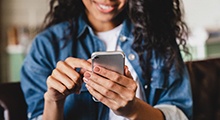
[(105, 8)]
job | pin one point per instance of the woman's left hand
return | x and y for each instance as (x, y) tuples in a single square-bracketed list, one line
[(112, 89)]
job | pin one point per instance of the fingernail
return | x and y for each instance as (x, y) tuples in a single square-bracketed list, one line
[(87, 75), (87, 86), (85, 80), (96, 69)]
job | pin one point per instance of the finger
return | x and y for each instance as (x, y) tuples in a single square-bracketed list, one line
[(89, 60), (53, 83), (65, 80), (78, 63), (82, 71), (111, 75), (102, 90), (127, 72), (70, 72), (108, 102), (106, 86)]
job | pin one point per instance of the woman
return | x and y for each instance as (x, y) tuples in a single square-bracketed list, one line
[(56, 75)]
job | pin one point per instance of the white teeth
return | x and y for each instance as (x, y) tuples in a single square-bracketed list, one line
[(105, 7)]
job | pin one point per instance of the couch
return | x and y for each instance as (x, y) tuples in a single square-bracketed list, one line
[(205, 83), (12, 103)]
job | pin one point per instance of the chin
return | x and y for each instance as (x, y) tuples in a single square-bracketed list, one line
[(105, 18)]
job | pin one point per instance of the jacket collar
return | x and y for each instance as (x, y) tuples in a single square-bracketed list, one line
[(83, 25)]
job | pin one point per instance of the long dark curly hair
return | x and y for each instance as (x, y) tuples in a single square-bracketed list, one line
[(158, 28)]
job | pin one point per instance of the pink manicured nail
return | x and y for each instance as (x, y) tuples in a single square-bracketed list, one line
[(87, 86), (85, 80), (96, 69), (87, 75)]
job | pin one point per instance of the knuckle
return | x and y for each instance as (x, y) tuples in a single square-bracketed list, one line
[(117, 108), (49, 80), (60, 64), (76, 76), (134, 86), (103, 71), (83, 61), (131, 97), (114, 108), (117, 78), (120, 106), (54, 72), (101, 98), (111, 85), (124, 103), (71, 86), (62, 89), (68, 59), (106, 92)]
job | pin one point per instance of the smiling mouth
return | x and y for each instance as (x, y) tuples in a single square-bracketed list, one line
[(104, 8)]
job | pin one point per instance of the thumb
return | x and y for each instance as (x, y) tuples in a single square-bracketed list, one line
[(127, 72)]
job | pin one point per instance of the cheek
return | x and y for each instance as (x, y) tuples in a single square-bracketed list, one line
[(87, 4), (123, 3)]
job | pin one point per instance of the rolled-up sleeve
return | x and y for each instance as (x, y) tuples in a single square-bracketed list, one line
[(34, 72), (174, 89), (171, 112)]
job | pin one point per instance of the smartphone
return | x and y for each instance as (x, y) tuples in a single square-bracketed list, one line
[(112, 60)]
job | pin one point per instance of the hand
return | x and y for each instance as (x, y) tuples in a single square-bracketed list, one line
[(112, 89), (64, 79)]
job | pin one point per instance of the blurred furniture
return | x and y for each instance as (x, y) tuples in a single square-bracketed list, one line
[(205, 82), (12, 103), (1, 113), (213, 46)]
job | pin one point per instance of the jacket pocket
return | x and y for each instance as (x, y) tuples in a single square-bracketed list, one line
[(158, 78)]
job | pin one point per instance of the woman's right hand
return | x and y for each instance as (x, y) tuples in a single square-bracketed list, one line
[(65, 80)]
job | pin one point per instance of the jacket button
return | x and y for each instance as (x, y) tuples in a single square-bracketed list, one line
[(122, 38), (151, 79), (131, 56), (145, 86)]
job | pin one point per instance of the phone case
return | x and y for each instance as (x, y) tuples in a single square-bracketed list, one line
[(113, 60)]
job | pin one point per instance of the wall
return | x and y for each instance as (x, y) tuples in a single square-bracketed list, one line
[(24, 12), (202, 13), (17, 13), (203, 19)]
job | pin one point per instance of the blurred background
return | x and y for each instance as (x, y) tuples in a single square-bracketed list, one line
[(20, 20)]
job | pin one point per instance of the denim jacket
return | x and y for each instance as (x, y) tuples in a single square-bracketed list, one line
[(49, 47)]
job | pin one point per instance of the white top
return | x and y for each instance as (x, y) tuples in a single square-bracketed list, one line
[(110, 38)]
